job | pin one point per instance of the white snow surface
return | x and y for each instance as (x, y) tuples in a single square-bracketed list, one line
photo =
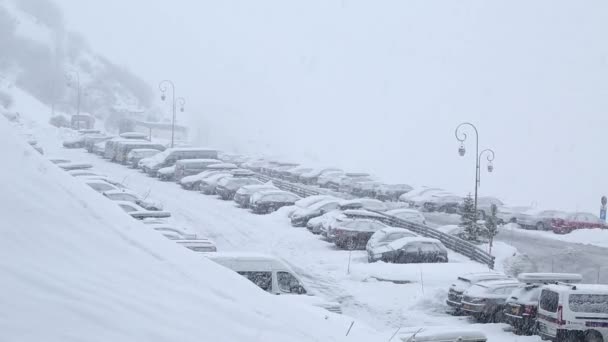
[(594, 237), (141, 282), (75, 267)]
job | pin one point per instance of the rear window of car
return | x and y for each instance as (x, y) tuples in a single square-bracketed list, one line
[(590, 303), (549, 300)]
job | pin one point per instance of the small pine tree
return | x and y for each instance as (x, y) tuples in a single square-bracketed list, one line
[(492, 224), (468, 220)]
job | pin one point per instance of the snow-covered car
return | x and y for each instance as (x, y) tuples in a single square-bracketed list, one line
[(443, 203), (407, 214), (166, 173), (293, 174), (322, 224), (522, 305), (84, 173), (486, 300), (192, 182), (59, 160), (171, 155), (310, 200), (271, 275), (74, 166), (130, 196), (539, 219), (377, 244), (77, 141), (345, 182), (354, 233), (99, 148), (109, 151), (464, 282), (137, 154), (442, 334), (392, 192), (484, 205), (100, 186), (508, 214), (363, 203), (576, 221), (264, 202), (300, 217), (243, 194), (140, 213), (102, 178), (427, 198), (365, 188), (254, 165), (91, 140), (227, 187), (410, 195), (274, 169), (207, 185), (123, 148), (189, 167), (412, 249), (200, 245), (172, 232), (324, 179), (312, 177)]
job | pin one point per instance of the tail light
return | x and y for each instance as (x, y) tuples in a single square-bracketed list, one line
[(560, 315)]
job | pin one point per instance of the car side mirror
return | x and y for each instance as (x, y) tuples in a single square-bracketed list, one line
[(299, 289)]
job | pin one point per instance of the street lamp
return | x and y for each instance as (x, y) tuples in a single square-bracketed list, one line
[(462, 136), (70, 77), (163, 87)]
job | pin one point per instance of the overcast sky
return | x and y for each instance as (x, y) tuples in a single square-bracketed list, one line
[(380, 85)]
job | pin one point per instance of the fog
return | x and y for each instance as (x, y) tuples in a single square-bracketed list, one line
[(380, 86)]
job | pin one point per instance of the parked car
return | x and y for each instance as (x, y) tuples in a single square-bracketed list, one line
[(409, 215), (200, 245), (443, 203), (106, 179), (486, 300), (378, 242), (109, 151), (441, 334), (354, 233), (264, 202), (140, 213), (365, 188), (254, 165), (576, 221), (345, 182), (207, 185), (464, 282), (363, 203), (484, 205), (100, 148), (310, 200), (74, 166), (192, 182), (84, 173), (90, 140), (130, 196), (429, 196), (189, 167), (274, 169), (59, 160), (522, 305), (324, 179), (171, 232), (392, 192), (508, 214), (270, 274), (312, 177), (408, 196), (412, 249), (321, 224), (172, 155), (539, 219), (293, 174), (138, 154), (101, 186), (227, 187), (301, 216), (568, 312), (78, 140), (122, 149), (166, 174), (243, 194)]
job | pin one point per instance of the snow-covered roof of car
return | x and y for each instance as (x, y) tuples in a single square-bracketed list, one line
[(310, 200), (498, 283), (530, 278), (222, 166), (274, 194), (399, 243), (168, 169), (131, 205), (583, 288), (390, 230), (359, 224), (191, 149), (133, 135), (120, 192), (74, 166), (198, 161), (84, 172), (480, 276), (250, 189), (362, 213)]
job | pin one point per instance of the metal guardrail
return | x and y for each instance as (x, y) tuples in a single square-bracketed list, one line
[(454, 243)]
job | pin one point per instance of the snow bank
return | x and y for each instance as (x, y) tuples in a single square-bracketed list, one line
[(73, 265), (594, 237)]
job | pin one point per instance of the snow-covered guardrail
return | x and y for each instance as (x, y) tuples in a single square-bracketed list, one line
[(454, 243)]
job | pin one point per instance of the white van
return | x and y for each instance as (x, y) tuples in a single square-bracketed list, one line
[(573, 312), (270, 274)]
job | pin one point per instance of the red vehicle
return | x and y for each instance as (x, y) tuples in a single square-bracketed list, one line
[(576, 221)]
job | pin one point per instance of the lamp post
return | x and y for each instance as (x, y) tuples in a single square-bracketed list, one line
[(70, 76), (462, 137), (163, 86)]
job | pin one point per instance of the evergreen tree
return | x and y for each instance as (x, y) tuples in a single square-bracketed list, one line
[(468, 220), (492, 224)]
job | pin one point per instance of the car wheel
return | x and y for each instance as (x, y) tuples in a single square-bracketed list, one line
[(350, 244), (540, 226), (593, 336)]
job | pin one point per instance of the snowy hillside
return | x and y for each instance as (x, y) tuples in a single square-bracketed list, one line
[(75, 266)]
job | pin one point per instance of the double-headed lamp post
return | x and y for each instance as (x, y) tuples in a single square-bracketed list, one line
[(163, 86), (70, 76), (462, 136)]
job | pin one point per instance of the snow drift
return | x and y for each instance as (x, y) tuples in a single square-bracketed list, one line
[(73, 266)]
